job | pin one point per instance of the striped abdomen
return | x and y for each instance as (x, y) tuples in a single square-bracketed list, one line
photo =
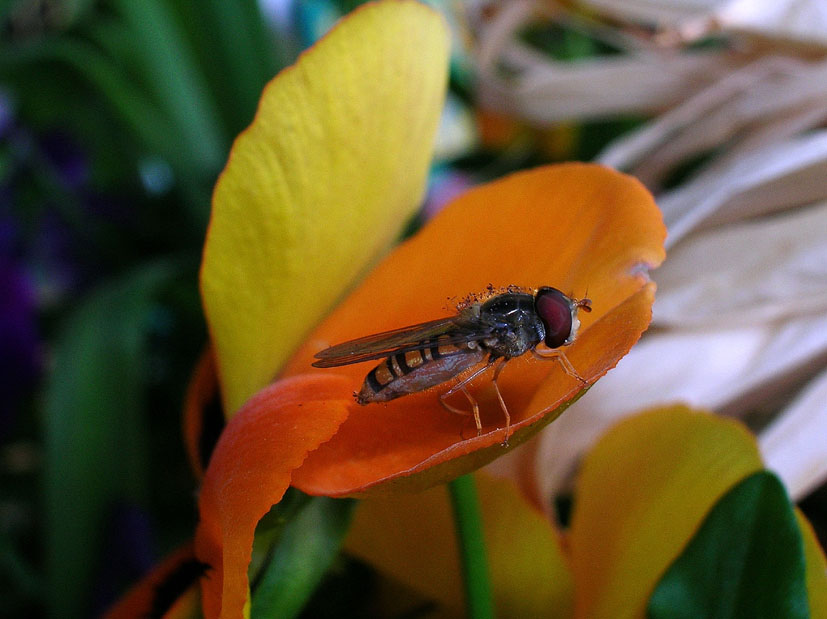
[(416, 370)]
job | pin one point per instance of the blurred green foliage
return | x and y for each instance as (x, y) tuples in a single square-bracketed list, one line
[(148, 97), (168, 80)]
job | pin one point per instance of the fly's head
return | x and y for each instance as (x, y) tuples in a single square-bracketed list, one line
[(558, 314)]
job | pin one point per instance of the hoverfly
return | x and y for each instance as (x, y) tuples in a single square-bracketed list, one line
[(502, 327)]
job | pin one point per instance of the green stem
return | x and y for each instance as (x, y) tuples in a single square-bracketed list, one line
[(468, 521)]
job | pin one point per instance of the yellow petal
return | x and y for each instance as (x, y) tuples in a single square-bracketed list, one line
[(530, 576), (642, 493), (320, 185), (816, 569), (411, 538)]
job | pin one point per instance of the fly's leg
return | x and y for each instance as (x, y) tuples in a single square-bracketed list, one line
[(475, 408), (461, 386), (560, 356), (497, 371)]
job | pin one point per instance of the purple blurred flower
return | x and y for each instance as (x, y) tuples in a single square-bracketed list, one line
[(6, 115), (127, 553), (20, 358), (66, 157), (444, 185)]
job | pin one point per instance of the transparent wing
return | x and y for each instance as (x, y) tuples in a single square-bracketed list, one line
[(455, 329)]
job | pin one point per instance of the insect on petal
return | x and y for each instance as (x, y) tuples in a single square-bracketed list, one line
[(574, 227)]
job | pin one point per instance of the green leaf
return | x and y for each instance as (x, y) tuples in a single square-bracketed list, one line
[(236, 51), (95, 438), (308, 544), (746, 560), (20, 585), (171, 72)]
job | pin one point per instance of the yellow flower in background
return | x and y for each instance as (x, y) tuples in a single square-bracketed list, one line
[(643, 491)]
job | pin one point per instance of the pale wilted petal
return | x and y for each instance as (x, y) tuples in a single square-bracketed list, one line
[(545, 91), (518, 80), (773, 178), (764, 102), (802, 21), (734, 370), (747, 273), (794, 444), (655, 72), (661, 12)]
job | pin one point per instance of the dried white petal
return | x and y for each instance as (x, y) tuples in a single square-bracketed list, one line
[(776, 177), (803, 21), (735, 371), (551, 91), (798, 21), (795, 444), (766, 101), (768, 269), (660, 12)]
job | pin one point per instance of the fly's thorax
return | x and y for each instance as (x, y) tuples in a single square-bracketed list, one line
[(517, 327), (514, 341)]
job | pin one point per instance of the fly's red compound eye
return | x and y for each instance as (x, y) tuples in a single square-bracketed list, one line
[(554, 309)]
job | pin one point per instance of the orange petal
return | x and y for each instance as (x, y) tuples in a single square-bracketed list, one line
[(175, 578), (202, 412), (249, 472), (642, 493), (576, 227), (411, 538)]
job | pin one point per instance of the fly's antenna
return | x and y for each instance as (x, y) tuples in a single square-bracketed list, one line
[(585, 303)]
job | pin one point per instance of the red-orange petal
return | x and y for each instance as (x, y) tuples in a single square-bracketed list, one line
[(249, 471), (576, 227), (202, 394), (142, 599)]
